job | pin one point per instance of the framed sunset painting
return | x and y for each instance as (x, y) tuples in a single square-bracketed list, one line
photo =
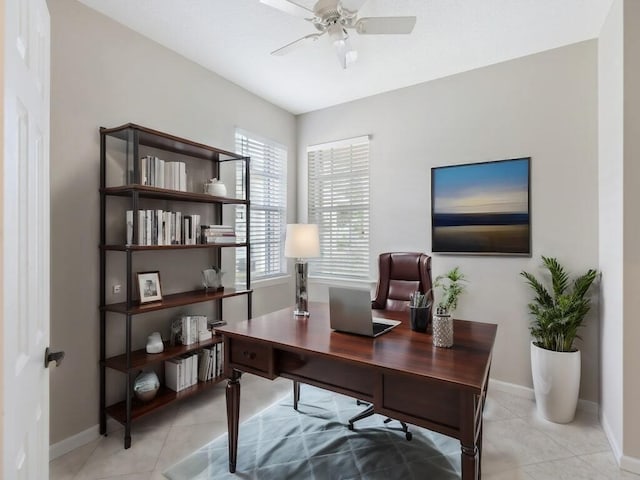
[(482, 208)]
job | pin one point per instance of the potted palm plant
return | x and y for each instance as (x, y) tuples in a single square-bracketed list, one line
[(451, 285), (558, 313)]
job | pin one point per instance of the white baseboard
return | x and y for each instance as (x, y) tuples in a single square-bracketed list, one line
[(512, 388), (79, 439), (630, 464), (527, 392), (617, 453)]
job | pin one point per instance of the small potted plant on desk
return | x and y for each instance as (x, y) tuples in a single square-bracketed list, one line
[(555, 361), (451, 286)]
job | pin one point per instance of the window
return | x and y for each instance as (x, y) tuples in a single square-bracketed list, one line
[(339, 204), (268, 196)]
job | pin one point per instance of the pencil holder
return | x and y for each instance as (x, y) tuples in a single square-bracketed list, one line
[(419, 317)]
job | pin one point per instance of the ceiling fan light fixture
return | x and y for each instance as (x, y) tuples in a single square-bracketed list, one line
[(334, 18)]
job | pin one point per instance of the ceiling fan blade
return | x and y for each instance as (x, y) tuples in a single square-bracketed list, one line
[(349, 8), (295, 44), (289, 7), (385, 25)]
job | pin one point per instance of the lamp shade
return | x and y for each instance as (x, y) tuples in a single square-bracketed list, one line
[(302, 241)]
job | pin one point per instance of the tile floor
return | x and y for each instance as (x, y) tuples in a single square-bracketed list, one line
[(517, 444)]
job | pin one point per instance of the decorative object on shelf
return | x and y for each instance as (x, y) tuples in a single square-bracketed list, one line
[(419, 308), (212, 279), (451, 285), (215, 187), (146, 386), (149, 287), (557, 314), (154, 343), (302, 241)]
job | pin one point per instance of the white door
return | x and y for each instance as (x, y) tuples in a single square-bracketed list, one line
[(25, 250)]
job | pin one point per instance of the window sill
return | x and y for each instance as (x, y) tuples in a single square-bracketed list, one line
[(341, 282)]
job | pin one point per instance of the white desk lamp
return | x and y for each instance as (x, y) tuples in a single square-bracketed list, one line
[(301, 242)]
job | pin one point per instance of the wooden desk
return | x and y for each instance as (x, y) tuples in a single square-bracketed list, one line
[(400, 372)]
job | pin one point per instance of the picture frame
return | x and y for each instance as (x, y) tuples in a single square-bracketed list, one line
[(149, 287), (482, 208)]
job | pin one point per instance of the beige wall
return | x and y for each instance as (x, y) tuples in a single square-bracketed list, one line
[(543, 106), (104, 74)]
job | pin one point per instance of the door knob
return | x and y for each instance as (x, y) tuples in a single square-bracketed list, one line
[(52, 357)]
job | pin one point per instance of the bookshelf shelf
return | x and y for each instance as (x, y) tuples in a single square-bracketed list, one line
[(173, 300), (140, 358), (136, 164), (164, 397), (142, 248), (145, 191)]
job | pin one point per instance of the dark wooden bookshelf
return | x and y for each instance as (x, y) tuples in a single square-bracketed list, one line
[(173, 300), (164, 397), (132, 142), (140, 358)]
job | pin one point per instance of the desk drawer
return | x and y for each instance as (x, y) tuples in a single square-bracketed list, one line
[(253, 355)]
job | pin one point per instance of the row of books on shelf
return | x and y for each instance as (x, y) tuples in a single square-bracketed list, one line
[(185, 371), (156, 172), (159, 227)]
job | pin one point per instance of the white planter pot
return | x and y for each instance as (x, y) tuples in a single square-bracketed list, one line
[(556, 382)]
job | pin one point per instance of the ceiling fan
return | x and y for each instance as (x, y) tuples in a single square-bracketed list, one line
[(336, 18)]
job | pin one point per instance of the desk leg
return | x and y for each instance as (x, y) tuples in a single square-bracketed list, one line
[(469, 441), (470, 463), (296, 394), (233, 416)]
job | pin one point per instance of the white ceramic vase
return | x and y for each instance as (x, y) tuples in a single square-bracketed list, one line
[(556, 382)]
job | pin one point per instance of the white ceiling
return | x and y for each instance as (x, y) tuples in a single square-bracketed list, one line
[(234, 37)]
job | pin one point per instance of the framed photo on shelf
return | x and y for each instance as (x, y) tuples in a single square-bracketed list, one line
[(149, 287)]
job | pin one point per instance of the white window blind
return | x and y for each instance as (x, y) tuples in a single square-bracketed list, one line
[(268, 200), (339, 204)]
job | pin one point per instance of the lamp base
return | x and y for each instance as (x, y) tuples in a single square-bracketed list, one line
[(302, 305)]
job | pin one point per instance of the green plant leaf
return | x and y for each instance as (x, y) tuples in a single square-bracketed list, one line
[(558, 314)]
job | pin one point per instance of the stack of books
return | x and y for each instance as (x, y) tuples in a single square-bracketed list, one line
[(181, 372), (194, 329), (217, 234)]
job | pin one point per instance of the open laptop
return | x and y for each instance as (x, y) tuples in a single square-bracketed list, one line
[(350, 311)]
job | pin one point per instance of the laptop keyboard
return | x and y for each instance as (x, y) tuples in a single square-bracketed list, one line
[(379, 327)]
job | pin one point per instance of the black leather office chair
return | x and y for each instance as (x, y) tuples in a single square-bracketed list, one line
[(399, 275)]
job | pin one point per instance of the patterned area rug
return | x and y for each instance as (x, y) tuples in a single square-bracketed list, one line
[(315, 444)]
